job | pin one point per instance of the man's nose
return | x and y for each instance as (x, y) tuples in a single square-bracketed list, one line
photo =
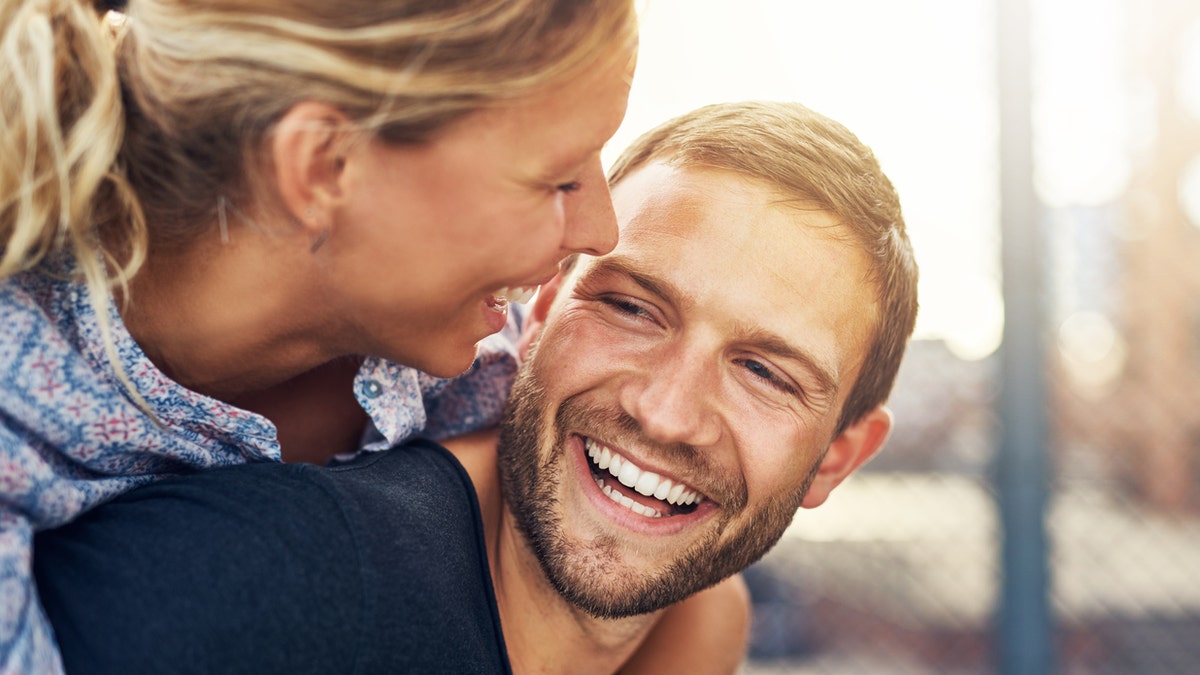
[(674, 400), (591, 225)]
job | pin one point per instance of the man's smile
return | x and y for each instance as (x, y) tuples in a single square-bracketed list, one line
[(644, 492)]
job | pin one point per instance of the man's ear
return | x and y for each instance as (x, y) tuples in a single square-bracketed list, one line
[(850, 450), (538, 312), (308, 158)]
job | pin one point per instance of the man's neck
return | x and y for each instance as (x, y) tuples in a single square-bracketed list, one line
[(542, 631)]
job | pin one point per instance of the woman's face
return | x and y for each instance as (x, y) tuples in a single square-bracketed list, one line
[(428, 235)]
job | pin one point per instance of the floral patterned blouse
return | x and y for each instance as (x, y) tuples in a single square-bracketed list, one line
[(71, 437)]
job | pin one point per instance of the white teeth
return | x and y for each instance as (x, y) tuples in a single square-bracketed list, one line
[(629, 474), (518, 294), (643, 510), (673, 495), (600, 454), (664, 488), (626, 501), (646, 483)]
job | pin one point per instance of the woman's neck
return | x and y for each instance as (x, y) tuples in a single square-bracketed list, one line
[(226, 319)]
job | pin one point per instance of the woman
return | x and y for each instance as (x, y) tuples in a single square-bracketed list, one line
[(225, 224)]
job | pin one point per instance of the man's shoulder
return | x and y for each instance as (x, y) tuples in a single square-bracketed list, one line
[(419, 518), (406, 483), (476, 452)]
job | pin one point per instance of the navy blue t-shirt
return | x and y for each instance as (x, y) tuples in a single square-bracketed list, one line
[(375, 566)]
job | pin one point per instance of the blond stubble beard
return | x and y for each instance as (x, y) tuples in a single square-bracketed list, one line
[(590, 575)]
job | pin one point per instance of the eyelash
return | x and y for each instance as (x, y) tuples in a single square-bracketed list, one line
[(573, 186), (767, 376), (625, 306)]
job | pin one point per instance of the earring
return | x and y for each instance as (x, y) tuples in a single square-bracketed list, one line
[(310, 218), (320, 240)]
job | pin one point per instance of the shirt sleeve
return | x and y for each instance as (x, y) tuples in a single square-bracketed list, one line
[(475, 400), (26, 640)]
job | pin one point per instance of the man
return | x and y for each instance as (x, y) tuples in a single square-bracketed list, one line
[(682, 397)]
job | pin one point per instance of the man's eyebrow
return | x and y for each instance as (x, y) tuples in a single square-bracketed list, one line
[(768, 342), (616, 264)]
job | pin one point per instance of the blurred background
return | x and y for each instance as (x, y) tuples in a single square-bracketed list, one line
[(1036, 510)]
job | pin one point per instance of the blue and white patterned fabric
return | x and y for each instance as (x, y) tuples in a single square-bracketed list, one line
[(71, 437)]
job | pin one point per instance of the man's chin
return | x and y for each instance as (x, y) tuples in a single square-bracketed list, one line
[(604, 577), (596, 564)]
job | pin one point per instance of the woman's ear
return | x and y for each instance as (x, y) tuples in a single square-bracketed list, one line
[(308, 159), (851, 449), (538, 312)]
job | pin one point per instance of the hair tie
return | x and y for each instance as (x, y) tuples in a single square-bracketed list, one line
[(111, 5)]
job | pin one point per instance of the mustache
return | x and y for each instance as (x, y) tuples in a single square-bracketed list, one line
[(615, 426)]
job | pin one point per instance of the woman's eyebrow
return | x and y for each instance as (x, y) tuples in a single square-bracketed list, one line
[(571, 156)]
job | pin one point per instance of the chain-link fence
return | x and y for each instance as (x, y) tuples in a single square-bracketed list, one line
[(900, 571), (897, 572)]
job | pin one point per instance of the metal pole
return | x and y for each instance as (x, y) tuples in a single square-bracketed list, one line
[(1022, 469)]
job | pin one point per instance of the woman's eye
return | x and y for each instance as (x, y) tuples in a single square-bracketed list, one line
[(572, 186)]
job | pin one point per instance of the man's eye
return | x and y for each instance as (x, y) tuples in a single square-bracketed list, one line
[(764, 373), (758, 369), (573, 186), (625, 306)]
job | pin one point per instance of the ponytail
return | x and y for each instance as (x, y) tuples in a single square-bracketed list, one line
[(61, 187), (61, 127)]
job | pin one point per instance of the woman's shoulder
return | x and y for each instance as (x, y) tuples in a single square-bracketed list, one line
[(37, 322), (46, 310), (71, 420)]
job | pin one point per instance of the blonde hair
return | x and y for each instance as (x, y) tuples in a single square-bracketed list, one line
[(61, 134), (118, 140), (123, 133), (811, 159)]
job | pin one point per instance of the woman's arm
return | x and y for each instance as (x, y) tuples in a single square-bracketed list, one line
[(707, 633)]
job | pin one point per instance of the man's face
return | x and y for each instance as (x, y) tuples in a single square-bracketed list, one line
[(684, 389)]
